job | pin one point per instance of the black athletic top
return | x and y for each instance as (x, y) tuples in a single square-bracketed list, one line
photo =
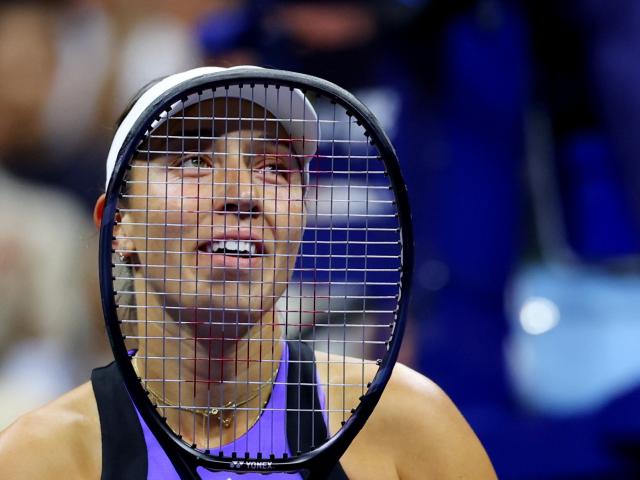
[(131, 452)]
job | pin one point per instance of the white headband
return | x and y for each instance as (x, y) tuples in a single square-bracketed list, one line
[(297, 115)]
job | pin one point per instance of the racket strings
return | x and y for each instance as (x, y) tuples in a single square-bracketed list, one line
[(328, 274)]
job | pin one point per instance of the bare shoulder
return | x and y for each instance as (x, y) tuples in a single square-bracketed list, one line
[(429, 436), (415, 432), (59, 440)]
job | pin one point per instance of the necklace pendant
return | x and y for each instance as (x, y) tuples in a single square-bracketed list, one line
[(226, 414)]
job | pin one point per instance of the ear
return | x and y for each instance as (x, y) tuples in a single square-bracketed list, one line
[(98, 211)]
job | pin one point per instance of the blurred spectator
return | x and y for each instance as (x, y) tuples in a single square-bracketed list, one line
[(586, 86), (345, 42), (105, 49), (27, 64), (48, 302), (150, 39)]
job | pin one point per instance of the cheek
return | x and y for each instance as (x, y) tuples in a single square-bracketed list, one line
[(289, 218), (165, 211), (181, 199)]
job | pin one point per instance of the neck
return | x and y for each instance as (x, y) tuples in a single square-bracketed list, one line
[(206, 384), (185, 361)]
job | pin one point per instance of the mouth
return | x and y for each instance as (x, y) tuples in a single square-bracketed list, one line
[(234, 248), (237, 243)]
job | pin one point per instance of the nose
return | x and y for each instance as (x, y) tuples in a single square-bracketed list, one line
[(236, 194), (241, 206)]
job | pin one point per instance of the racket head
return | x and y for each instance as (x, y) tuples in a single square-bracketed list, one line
[(309, 269)]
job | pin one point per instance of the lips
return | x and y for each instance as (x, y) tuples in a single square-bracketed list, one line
[(233, 249), (240, 248)]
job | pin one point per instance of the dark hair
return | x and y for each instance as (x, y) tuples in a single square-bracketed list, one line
[(132, 101)]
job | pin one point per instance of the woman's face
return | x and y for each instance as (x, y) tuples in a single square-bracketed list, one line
[(214, 214)]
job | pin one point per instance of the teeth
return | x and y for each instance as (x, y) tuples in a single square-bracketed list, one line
[(242, 247)]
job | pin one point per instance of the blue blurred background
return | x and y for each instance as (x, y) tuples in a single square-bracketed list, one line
[(515, 123)]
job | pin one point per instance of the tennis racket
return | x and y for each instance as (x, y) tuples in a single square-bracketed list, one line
[(255, 264)]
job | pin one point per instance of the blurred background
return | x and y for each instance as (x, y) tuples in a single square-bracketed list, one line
[(515, 123)]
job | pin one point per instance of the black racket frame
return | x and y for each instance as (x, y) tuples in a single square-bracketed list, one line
[(316, 463)]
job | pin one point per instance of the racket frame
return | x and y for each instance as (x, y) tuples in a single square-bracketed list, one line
[(185, 458)]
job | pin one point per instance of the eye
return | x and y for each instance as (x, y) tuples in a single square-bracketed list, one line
[(194, 162), (272, 167)]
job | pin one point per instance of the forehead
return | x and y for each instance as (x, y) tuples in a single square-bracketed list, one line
[(216, 125), (220, 116)]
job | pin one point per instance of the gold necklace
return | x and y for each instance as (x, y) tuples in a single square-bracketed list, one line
[(223, 414)]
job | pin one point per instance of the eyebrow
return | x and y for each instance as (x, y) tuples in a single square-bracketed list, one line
[(175, 143), (285, 142)]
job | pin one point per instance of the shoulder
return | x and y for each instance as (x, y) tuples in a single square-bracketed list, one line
[(415, 431), (426, 431), (59, 440)]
